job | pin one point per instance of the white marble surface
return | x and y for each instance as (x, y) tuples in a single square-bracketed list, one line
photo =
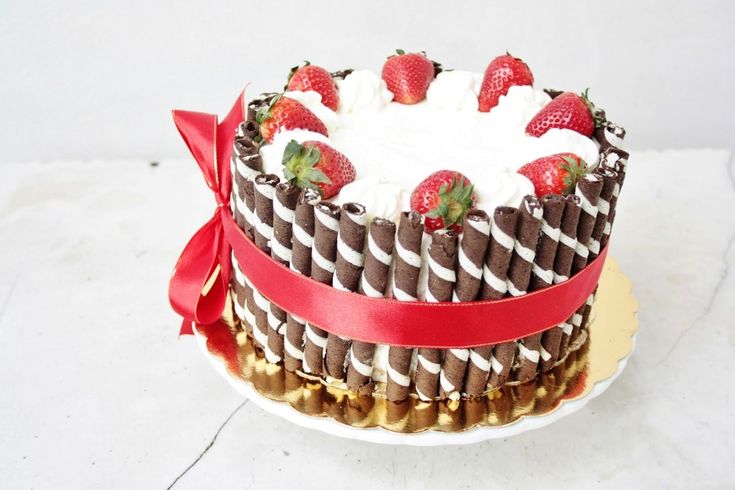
[(96, 391)]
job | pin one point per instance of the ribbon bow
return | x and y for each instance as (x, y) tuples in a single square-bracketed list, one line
[(200, 280)]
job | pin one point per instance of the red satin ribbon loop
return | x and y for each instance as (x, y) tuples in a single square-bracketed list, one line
[(207, 253)]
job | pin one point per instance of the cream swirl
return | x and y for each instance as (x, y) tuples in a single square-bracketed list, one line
[(362, 90), (455, 90), (380, 198)]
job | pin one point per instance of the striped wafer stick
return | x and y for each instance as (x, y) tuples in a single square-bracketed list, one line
[(610, 135), (542, 277), (552, 338), (373, 283), (617, 161), (588, 190), (519, 276), (323, 257), (494, 275), (609, 182), (347, 271), (470, 261), (265, 188), (284, 204), (245, 163), (404, 288), (442, 277), (301, 243)]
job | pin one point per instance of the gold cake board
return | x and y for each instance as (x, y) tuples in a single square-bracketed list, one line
[(585, 374)]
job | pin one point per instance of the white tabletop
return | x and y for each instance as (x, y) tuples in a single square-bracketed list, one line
[(96, 391)]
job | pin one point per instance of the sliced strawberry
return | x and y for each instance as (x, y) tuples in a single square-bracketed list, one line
[(408, 76), (554, 174), (500, 75), (566, 111), (312, 77), (318, 166), (285, 114), (444, 198)]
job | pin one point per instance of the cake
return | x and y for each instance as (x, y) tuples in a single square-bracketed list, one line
[(421, 184)]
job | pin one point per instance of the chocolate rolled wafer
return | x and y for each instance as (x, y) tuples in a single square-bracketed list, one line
[(588, 190), (404, 288), (619, 165), (323, 257), (552, 338), (542, 277), (519, 277), (494, 286), (256, 104), (248, 194), (373, 283), (245, 163), (442, 277), (284, 213), (301, 243), (265, 189), (499, 253), (470, 261), (284, 204), (471, 255), (610, 135), (609, 181), (347, 271)]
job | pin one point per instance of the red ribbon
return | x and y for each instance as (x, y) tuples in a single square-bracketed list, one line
[(207, 255), (350, 315)]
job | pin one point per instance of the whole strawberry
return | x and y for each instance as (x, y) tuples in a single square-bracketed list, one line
[(444, 198), (500, 75), (284, 113), (312, 77), (318, 166), (566, 111), (554, 174), (408, 76)]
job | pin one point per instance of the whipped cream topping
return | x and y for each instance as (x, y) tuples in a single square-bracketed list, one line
[(455, 90), (394, 146), (362, 90)]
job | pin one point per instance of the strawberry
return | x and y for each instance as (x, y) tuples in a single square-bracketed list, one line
[(318, 166), (316, 78), (444, 198), (408, 76), (284, 114), (566, 111), (554, 174), (500, 75)]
